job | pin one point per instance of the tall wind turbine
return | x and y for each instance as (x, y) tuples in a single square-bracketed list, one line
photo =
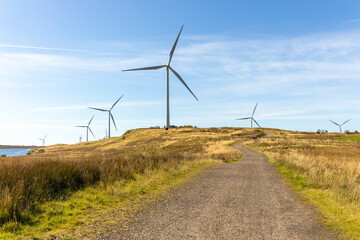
[(110, 115), (340, 125), (167, 67), (43, 140), (87, 129), (252, 117)]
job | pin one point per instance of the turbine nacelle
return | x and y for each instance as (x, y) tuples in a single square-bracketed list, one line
[(167, 67), (110, 114), (251, 118), (88, 129), (339, 125)]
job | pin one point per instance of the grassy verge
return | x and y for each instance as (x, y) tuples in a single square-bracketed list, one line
[(339, 215), (101, 209)]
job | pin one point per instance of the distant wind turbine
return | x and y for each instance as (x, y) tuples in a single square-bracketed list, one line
[(88, 129), (43, 140), (252, 117), (340, 125), (110, 115), (80, 138), (167, 67)]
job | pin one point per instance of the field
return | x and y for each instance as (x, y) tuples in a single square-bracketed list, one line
[(325, 168), (65, 190), (54, 188)]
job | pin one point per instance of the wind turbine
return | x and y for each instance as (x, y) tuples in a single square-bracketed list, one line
[(252, 117), (340, 125), (167, 67), (110, 115), (87, 129), (43, 140)]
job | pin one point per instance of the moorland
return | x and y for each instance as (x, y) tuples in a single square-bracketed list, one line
[(64, 190)]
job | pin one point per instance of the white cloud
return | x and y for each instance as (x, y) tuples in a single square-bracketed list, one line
[(43, 48), (96, 105), (356, 20)]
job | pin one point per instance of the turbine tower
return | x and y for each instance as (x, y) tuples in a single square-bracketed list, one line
[(167, 68), (252, 117), (43, 140), (87, 129), (110, 115), (340, 125)]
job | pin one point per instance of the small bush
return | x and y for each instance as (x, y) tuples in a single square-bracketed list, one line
[(320, 131), (3, 155)]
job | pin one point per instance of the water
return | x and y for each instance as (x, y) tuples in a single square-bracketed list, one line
[(14, 152)]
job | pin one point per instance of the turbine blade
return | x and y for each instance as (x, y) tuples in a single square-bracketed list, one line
[(80, 126), (99, 109), (174, 46), (256, 123), (345, 122), (112, 117), (91, 132), (243, 118), (334, 122), (91, 120), (145, 68), (183, 82), (116, 103), (254, 109)]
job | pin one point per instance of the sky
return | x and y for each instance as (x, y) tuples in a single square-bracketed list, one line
[(299, 59)]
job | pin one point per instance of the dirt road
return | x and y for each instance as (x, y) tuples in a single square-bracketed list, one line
[(244, 200)]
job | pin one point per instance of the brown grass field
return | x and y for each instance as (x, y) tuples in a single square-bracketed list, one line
[(328, 160), (28, 181), (326, 167)]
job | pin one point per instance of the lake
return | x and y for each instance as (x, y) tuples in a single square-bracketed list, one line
[(14, 152)]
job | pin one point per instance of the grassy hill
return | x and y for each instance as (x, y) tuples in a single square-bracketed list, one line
[(54, 188), (70, 190)]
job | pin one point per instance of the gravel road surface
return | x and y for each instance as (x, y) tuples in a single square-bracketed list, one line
[(244, 200)]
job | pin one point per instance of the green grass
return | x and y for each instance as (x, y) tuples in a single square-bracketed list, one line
[(339, 215), (355, 138)]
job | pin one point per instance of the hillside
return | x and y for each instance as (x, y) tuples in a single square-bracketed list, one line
[(31, 185)]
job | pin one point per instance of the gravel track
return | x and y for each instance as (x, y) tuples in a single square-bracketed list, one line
[(244, 200)]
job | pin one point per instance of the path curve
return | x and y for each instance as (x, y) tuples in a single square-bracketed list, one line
[(244, 200)]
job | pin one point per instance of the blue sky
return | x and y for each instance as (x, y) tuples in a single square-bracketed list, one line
[(299, 59)]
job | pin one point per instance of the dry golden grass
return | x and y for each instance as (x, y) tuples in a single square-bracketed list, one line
[(26, 182), (326, 160), (326, 167)]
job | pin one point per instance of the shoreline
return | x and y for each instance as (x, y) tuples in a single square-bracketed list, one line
[(17, 147)]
